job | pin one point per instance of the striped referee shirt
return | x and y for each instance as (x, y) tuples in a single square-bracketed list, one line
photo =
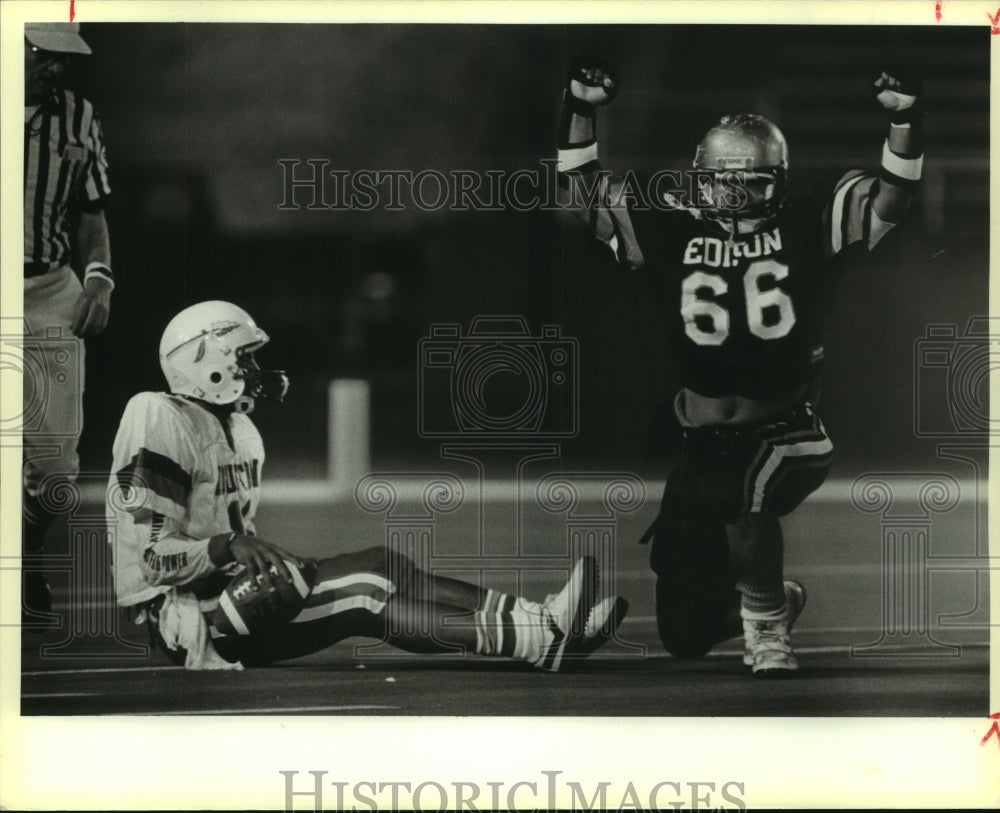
[(65, 166)]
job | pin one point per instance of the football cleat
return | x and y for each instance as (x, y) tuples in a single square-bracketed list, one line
[(767, 645), (565, 614), (602, 623)]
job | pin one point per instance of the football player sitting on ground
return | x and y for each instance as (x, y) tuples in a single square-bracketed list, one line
[(181, 502), (745, 277)]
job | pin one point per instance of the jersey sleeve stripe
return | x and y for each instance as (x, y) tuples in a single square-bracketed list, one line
[(866, 217), (97, 186), (101, 159), (853, 227), (838, 222), (159, 474)]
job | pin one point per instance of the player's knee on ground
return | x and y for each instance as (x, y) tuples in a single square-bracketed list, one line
[(690, 625), (695, 586), (687, 631)]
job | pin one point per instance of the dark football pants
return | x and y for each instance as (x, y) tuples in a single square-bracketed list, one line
[(727, 472), (348, 599), (695, 586), (724, 473)]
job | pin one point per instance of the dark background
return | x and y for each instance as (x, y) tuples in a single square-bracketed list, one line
[(197, 117)]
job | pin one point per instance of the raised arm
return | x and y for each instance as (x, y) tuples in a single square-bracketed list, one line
[(864, 206), (902, 154), (588, 87), (590, 193)]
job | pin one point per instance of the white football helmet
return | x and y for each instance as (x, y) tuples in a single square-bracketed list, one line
[(206, 352)]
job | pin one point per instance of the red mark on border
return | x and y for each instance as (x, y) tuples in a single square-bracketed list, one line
[(995, 717), (937, 11), (994, 22), (72, 10)]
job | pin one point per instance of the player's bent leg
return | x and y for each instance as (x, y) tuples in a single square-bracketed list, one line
[(414, 583), (756, 550), (297, 640), (697, 605), (790, 460), (758, 653), (690, 627), (544, 635), (348, 599), (354, 596), (499, 624)]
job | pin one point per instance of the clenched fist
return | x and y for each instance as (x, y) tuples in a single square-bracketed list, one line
[(900, 96), (591, 83)]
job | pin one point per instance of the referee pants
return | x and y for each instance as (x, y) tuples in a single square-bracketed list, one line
[(53, 375)]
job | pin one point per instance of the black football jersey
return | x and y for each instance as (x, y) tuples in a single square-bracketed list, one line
[(747, 312)]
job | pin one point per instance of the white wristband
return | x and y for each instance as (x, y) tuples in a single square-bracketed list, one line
[(98, 269), (575, 157), (908, 169)]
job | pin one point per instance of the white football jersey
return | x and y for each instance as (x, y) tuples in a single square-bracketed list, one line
[(179, 477)]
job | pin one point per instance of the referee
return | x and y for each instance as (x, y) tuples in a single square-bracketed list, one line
[(65, 191)]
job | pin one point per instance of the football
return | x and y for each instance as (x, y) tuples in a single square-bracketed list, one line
[(243, 610)]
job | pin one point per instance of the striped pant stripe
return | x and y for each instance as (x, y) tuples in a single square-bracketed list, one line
[(803, 453), (340, 605), (346, 582)]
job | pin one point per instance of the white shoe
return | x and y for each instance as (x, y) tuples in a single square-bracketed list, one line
[(602, 623), (766, 637), (565, 614)]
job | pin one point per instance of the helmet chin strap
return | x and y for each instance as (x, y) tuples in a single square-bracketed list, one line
[(243, 405)]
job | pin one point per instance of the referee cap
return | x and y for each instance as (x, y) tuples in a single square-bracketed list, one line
[(59, 37)]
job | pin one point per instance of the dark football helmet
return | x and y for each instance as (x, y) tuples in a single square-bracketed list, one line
[(748, 156)]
